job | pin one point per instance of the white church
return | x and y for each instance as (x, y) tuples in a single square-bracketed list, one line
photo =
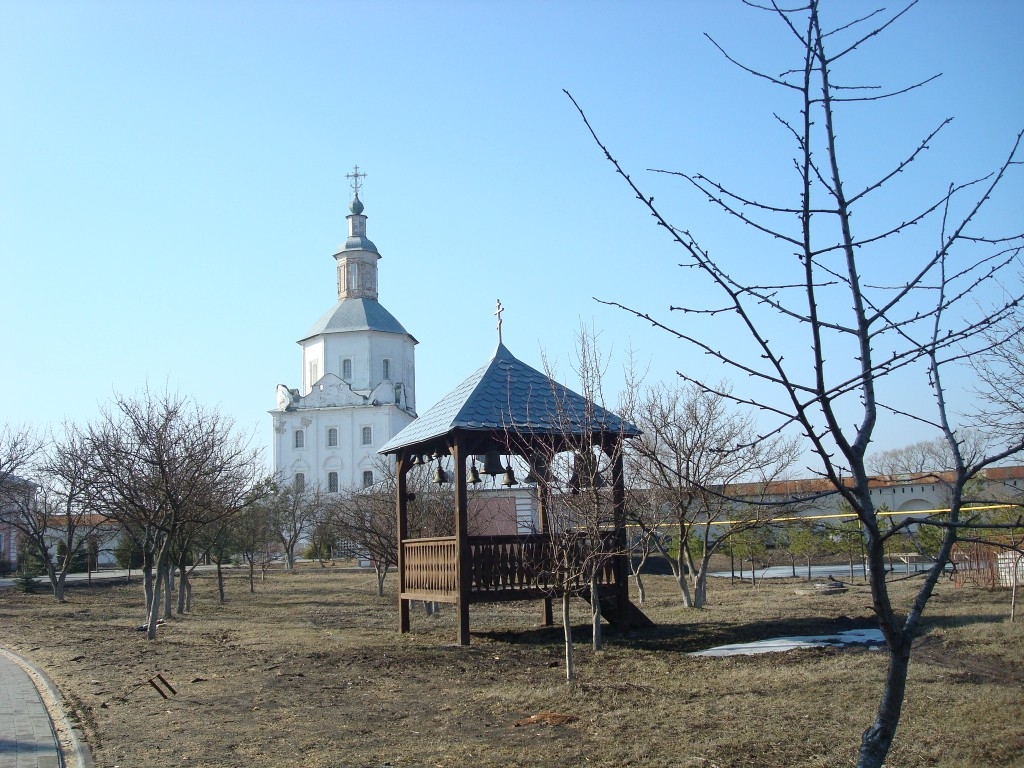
[(358, 385)]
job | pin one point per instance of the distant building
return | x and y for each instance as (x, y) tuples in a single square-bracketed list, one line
[(16, 495), (909, 493), (358, 379)]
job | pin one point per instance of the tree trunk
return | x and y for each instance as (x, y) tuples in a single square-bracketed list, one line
[(252, 574), (700, 586), (166, 576), (808, 568), (595, 613), (877, 739), (382, 573), (1015, 575), (570, 669), (641, 592), (182, 587), (220, 578), (158, 581)]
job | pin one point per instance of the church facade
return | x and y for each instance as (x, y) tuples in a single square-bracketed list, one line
[(358, 379)]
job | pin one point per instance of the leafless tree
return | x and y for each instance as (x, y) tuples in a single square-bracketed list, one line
[(578, 479), (43, 497), (294, 511), (1000, 370), (867, 321), (159, 464), (365, 517), (708, 470), (251, 533)]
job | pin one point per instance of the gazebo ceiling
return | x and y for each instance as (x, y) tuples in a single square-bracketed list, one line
[(506, 397)]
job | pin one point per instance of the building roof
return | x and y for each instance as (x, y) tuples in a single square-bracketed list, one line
[(359, 243), (358, 314), (507, 395)]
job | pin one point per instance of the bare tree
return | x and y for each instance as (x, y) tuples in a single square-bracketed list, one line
[(861, 315), (365, 517), (579, 482), (294, 509), (252, 534), (160, 464), (1000, 370), (46, 501), (709, 471)]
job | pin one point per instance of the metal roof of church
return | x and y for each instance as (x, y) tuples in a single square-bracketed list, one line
[(507, 394), (360, 314)]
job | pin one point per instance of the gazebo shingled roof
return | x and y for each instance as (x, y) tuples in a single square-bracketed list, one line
[(507, 396)]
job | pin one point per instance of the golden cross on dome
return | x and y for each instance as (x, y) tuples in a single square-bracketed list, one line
[(355, 176)]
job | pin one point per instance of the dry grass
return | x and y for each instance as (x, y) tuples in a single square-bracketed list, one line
[(310, 671)]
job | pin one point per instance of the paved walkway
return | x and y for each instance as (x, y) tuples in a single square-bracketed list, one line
[(27, 737)]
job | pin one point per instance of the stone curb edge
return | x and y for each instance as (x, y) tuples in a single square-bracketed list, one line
[(82, 754)]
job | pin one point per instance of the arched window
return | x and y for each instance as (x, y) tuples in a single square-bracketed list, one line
[(300, 481), (332, 482), (367, 478), (332, 437), (387, 369), (300, 438), (346, 369), (367, 435), (353, 276)]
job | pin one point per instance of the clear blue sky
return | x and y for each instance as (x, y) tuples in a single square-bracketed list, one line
[(172, 176)]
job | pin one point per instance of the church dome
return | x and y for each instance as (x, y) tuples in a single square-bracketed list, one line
[(357, 205)]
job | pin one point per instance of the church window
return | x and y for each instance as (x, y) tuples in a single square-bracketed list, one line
[(346, 369), (332, 482), (312, 373), (367, 478), (300, 481), (387, 368), (353, 276), (332, 437), (300, 438), (367, 435)]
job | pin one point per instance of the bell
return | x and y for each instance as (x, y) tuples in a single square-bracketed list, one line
[(599, 481), (474, 476), (509, 478), (538, 470), (417, 460), (492, 463), (440, 476)]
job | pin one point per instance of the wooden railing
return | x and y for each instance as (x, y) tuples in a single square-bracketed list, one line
[(504, 567), (429, 566)]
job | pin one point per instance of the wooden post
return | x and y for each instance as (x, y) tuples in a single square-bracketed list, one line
[(463, 574), (619, 517), (547, 617), (402, 504)]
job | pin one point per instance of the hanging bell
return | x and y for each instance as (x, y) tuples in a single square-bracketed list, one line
[(599, 481), (492, 463), (440, 476), (538, 470), (474, 476), (417, 460), (509, 478)]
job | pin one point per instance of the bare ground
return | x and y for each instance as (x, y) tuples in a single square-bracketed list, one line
[(310, 671)]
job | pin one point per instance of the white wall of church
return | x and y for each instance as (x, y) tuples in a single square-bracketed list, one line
[(360, 430), (367, 354)]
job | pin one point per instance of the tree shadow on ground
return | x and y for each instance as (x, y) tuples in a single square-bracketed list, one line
[(686, 638)]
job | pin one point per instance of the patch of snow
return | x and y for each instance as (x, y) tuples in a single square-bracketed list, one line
[(872, 638)]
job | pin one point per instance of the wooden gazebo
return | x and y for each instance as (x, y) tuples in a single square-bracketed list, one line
[(512, 409)]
